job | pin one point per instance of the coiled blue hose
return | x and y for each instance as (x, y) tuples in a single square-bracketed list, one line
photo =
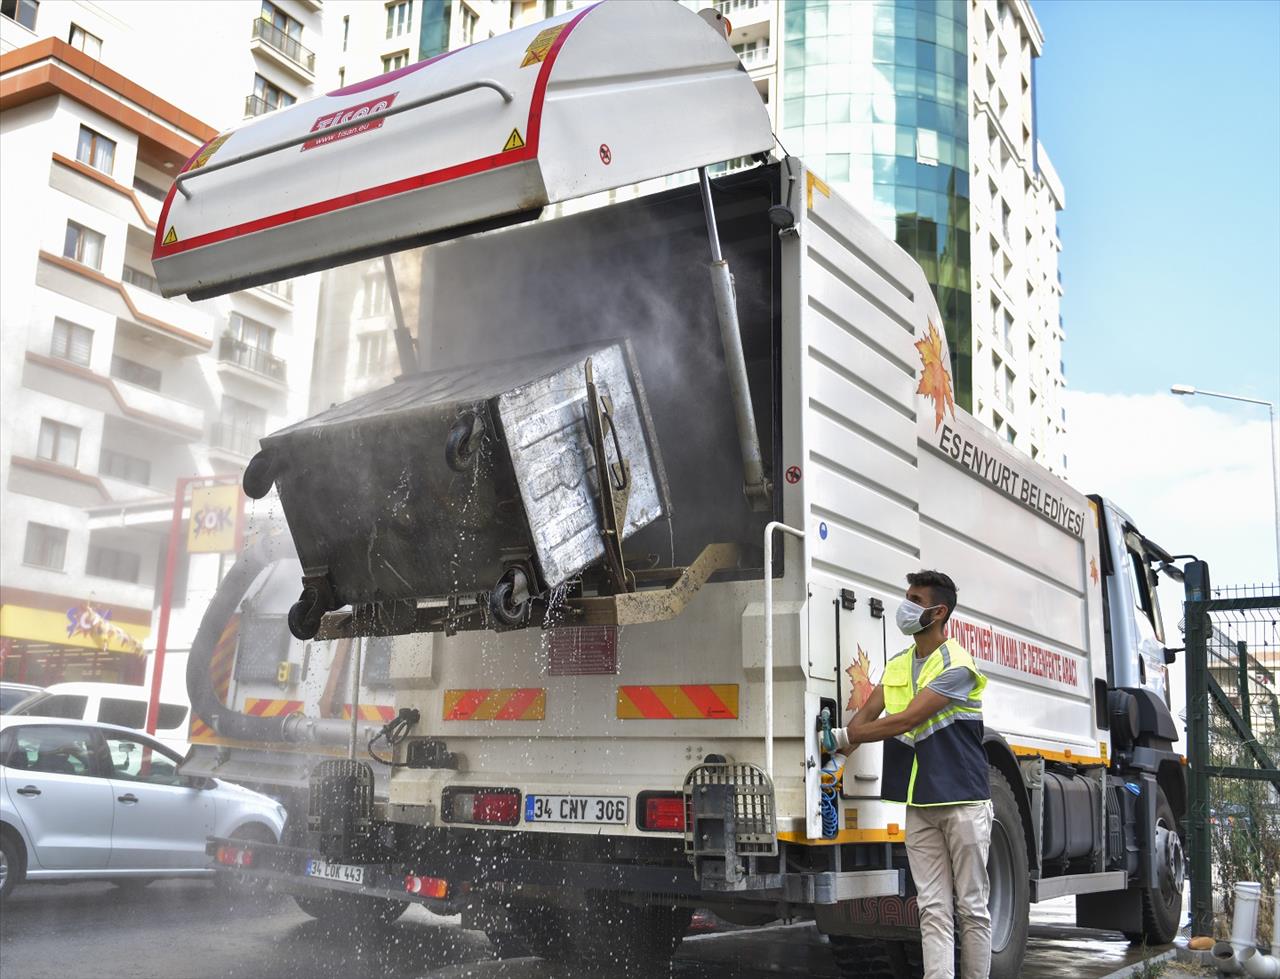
[(830, 812)]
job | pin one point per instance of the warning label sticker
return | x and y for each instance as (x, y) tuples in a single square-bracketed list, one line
[(212, 147), (514, 142), (538, 48), (374, 107), (170, 237)]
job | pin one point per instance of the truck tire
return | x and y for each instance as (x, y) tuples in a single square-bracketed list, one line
[(351, 910), (605, 935), (1162, 905), (1009, 902)]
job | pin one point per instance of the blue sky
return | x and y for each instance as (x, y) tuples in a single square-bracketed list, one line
[(1163, 120)]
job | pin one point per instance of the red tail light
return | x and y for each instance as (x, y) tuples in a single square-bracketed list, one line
[(234, 856), (426, 886), (660, 812), (491, 807)]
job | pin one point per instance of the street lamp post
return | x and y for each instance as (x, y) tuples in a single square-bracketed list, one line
[(1187, 389)]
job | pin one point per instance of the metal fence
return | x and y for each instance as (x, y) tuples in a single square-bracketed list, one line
[(1233, 733)]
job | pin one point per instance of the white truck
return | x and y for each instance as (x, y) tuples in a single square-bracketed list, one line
[(637, 511)]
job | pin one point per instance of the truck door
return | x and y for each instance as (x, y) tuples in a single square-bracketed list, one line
[(1153, 673)]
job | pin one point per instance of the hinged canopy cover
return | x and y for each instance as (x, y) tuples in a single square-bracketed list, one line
[(597, 98)]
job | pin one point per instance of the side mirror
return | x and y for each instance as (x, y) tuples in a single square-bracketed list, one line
[(1171, 655)]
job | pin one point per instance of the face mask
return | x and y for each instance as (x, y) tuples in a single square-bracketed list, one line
[(911, 617)]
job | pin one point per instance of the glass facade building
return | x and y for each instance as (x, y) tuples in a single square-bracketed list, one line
[(874, 97)]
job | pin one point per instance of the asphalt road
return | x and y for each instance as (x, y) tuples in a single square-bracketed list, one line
[(190, 930)]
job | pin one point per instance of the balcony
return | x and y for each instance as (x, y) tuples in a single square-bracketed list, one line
[(234, 439), (158, 413), (285, 51), (750, 18), (755, 57), (254, 106), (253, 359), (280, 292), (176, 327)]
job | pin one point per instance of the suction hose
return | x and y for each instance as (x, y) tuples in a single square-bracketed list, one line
[(267, 550)]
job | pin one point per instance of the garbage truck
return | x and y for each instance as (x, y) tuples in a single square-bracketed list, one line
[(634, 516)]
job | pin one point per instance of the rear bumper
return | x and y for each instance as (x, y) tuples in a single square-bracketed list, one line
[(286, 868)]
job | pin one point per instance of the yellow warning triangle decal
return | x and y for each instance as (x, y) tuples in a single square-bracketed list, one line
[(514, 142), (171, 236)]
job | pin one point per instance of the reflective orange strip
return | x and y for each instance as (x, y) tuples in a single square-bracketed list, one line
[(271, 708), (500, 704), (370, 712), (687, 701)]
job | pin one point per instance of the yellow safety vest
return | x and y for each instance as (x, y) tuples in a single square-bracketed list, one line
[(941, 761)]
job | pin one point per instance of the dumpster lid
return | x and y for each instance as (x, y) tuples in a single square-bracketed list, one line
[(598, 98)]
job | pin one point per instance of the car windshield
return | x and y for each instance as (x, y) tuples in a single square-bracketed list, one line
[(11, 697)]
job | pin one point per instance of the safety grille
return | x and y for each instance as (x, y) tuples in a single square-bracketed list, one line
[(340, 808), (730, 823)]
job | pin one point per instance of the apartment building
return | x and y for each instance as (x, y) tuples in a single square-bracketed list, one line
[(109, 392)]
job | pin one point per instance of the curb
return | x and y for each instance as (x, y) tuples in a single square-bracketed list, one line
[(1130, 970)]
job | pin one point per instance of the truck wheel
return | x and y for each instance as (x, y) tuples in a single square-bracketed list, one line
[(351, 910), (1162, 905), (1010, 899)]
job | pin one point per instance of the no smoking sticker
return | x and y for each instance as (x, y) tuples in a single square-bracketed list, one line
[(606, 154), (793, 474)]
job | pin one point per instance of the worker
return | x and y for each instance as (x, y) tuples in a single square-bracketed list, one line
[(931, 695)]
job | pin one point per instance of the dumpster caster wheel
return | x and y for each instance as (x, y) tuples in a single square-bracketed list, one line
[(305, 615), (509, 600), (259, 475)]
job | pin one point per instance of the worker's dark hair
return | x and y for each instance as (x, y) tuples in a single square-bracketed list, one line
[(940, 586)]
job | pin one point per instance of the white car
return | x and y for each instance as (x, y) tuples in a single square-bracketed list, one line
[(121, 704), (97, 801)]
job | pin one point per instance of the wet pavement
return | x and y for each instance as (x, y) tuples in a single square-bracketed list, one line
[(191, 930)]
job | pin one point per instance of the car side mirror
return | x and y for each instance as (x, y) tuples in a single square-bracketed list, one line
[(1171, 655)]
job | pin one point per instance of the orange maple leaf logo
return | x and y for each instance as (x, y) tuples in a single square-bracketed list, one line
[(860, 680), (935, 378), (1093, 570)]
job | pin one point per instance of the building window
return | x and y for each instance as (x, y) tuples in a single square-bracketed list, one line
[(268, 97), (58, 443), (372, 353), (250, 332), (375, 296), (83, 245), (23, 11), (96, 150), (346, 31), (399, 18), (82, 40), (107, 562), (135, 373), (136, 277), (46, 547), (72, 342), (469, 21), (281, 21), (393, 61), (120, 465)]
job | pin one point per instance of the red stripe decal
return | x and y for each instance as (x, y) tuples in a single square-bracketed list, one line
[(533, 130), (516, 704), (467, 704), (705, 699), (647, 701)]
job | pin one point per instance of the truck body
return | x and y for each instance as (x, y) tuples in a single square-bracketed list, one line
[(603, 757)]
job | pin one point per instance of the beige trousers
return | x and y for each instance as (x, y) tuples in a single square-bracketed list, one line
[(947, 849)]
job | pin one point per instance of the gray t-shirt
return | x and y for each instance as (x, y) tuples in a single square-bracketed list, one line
[(956, 683)]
